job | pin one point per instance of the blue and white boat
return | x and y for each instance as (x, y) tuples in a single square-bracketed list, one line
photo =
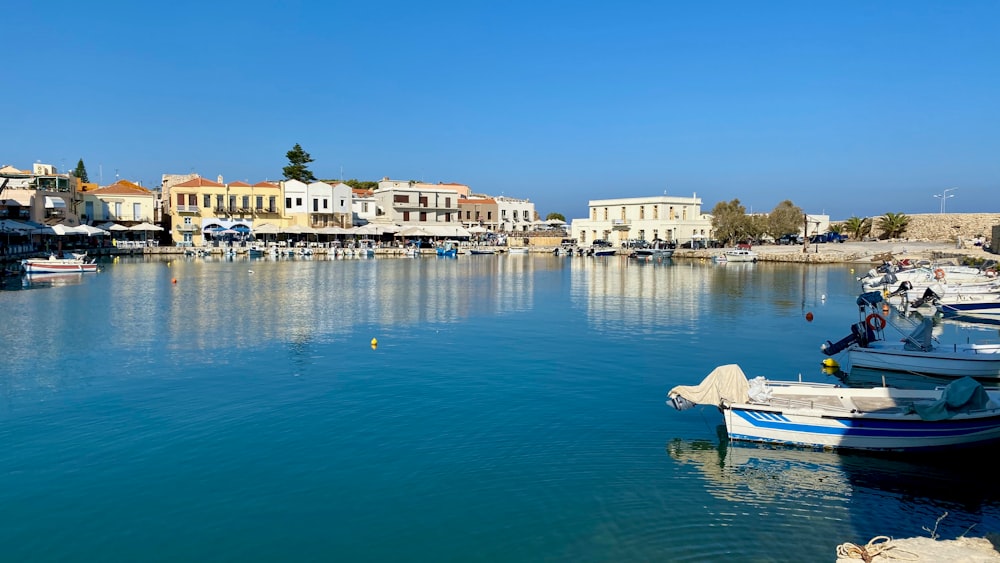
[(984, 307), (829, 416), (448, 249), (869, 346)]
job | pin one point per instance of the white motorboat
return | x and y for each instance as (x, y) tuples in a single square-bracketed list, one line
[(739, 255), (825, 415), (867, 346), (977, 307), (657, 250), (53, 265), (889, 277)]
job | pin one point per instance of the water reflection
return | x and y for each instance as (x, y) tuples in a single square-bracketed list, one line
[(892, 494)]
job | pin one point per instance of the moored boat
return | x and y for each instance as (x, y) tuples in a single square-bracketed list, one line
[(53, 265), (657, 250), (824, 415), (916, 353), (979, 307), (739, 255)]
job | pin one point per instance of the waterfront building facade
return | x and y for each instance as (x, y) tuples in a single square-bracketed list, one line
[(363, 206), (478, 211), (200, 205), (402, 204), (42, 195), (123, 202), (514, 215), (669, 218)]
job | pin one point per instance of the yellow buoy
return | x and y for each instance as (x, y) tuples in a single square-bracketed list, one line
[(374, 343), (830, 363)]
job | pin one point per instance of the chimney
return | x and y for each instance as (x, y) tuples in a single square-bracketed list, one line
[(220, 179)]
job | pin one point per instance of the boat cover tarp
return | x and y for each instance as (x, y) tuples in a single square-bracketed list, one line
[(959, 396), (920, 339), (725, 383)]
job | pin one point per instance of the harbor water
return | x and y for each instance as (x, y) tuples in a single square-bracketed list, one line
[(484, 408)]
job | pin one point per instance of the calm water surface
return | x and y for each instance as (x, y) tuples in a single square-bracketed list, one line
[(513, 410)]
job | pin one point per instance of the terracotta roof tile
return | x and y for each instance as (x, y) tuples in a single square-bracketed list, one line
[(266, 185), (199, 183)]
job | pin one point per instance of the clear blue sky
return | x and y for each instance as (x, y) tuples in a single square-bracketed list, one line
[(848, 108)]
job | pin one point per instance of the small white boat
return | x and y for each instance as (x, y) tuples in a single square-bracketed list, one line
[(917, 353), (53, 265), (889, 277), (739, 255), (658, 250), (825, 415), (982, 306), (518, 250)]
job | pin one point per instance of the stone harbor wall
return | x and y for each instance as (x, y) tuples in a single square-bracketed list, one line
[(947, 226)]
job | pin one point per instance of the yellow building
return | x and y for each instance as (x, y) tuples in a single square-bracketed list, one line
[(200, 204), (122, 202)]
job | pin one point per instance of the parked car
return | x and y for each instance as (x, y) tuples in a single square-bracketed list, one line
[(827, 237), (789, 239)]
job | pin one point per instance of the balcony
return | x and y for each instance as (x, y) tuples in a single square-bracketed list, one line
[(621, 224), (188, 209), (187, 228)]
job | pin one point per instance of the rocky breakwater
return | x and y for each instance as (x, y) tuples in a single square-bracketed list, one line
[(852, 252)]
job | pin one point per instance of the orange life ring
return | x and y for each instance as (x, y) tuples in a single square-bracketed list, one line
[(939, 274), (875, 321)]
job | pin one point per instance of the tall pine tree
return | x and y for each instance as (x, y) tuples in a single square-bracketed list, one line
[(81, 172), (297, 161)]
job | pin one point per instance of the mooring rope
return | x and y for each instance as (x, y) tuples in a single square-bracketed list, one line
[(879, 545)]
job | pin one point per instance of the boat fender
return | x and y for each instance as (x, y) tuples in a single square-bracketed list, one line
[(875, 321)]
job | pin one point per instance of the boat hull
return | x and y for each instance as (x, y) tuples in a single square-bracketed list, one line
[(821, 430), (740, 256), (57, 266), (984, 364)]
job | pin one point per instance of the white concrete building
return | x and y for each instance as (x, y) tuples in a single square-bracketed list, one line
[(513, 214), (669, 218), (296, 202), (402, 204), (362, 208)]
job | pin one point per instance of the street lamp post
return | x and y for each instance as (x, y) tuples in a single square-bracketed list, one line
[(944, 196)]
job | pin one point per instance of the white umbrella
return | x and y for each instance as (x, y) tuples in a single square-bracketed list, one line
[(477, 229), (109, 226), (90, 231), (332, 231), (414, 232), (63, 230), (145, 227), (266, 229), (368, 229)]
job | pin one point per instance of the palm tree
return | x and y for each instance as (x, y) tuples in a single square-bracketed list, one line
[(893, 225), (858, 228)]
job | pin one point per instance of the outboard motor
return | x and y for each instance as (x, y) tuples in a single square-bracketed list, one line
[(859, 333), (929, 296), (903, 288)]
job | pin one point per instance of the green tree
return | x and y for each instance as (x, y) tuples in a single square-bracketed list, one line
[(729, 221), (857, 227), (81, 172), (756, 226), (559, 216), (893, 225), (297, 161), (784, 219), (360, 185)]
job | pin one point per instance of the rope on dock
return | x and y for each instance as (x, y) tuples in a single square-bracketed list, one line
[(878, 545)]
